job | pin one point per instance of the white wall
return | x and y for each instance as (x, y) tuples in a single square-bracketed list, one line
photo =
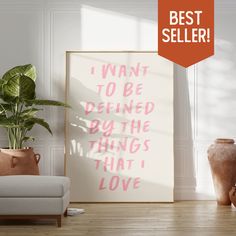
[(40, 31)]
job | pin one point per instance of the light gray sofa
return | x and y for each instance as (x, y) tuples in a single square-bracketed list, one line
[(34, 197)]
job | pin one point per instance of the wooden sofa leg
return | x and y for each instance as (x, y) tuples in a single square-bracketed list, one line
[(59, 221), (65, 213)]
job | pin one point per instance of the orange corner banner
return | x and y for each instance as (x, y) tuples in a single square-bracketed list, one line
[(186, 30)]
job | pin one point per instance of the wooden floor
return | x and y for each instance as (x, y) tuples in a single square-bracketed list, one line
[(199, 218)]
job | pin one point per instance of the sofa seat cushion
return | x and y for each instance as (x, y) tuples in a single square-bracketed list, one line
[(33, 186)]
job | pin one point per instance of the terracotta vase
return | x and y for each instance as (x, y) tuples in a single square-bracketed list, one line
[(19, 162), (222, 159), (232, 195)]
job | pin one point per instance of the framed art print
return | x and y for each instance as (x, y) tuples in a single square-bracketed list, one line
[(119, 131)]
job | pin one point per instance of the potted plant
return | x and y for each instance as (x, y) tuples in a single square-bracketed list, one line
[(18, 115)]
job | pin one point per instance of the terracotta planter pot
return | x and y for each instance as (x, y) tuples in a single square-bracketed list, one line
[(232, 195), (222, 159), (19, 162)]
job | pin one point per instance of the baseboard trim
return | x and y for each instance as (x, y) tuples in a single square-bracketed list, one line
[(189, 193)]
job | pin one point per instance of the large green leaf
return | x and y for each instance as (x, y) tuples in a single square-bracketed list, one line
[(29, 123), (46, 103), (27, 70), (28, 138), (1, 92), (5, 107), (20, 86), (30, 112), (7, 122)]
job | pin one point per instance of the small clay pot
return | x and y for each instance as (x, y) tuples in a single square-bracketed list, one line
[(232, 195), (222, 159), (19, 162)]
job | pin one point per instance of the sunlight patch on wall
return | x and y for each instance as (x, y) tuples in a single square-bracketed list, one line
[(115, 31)]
